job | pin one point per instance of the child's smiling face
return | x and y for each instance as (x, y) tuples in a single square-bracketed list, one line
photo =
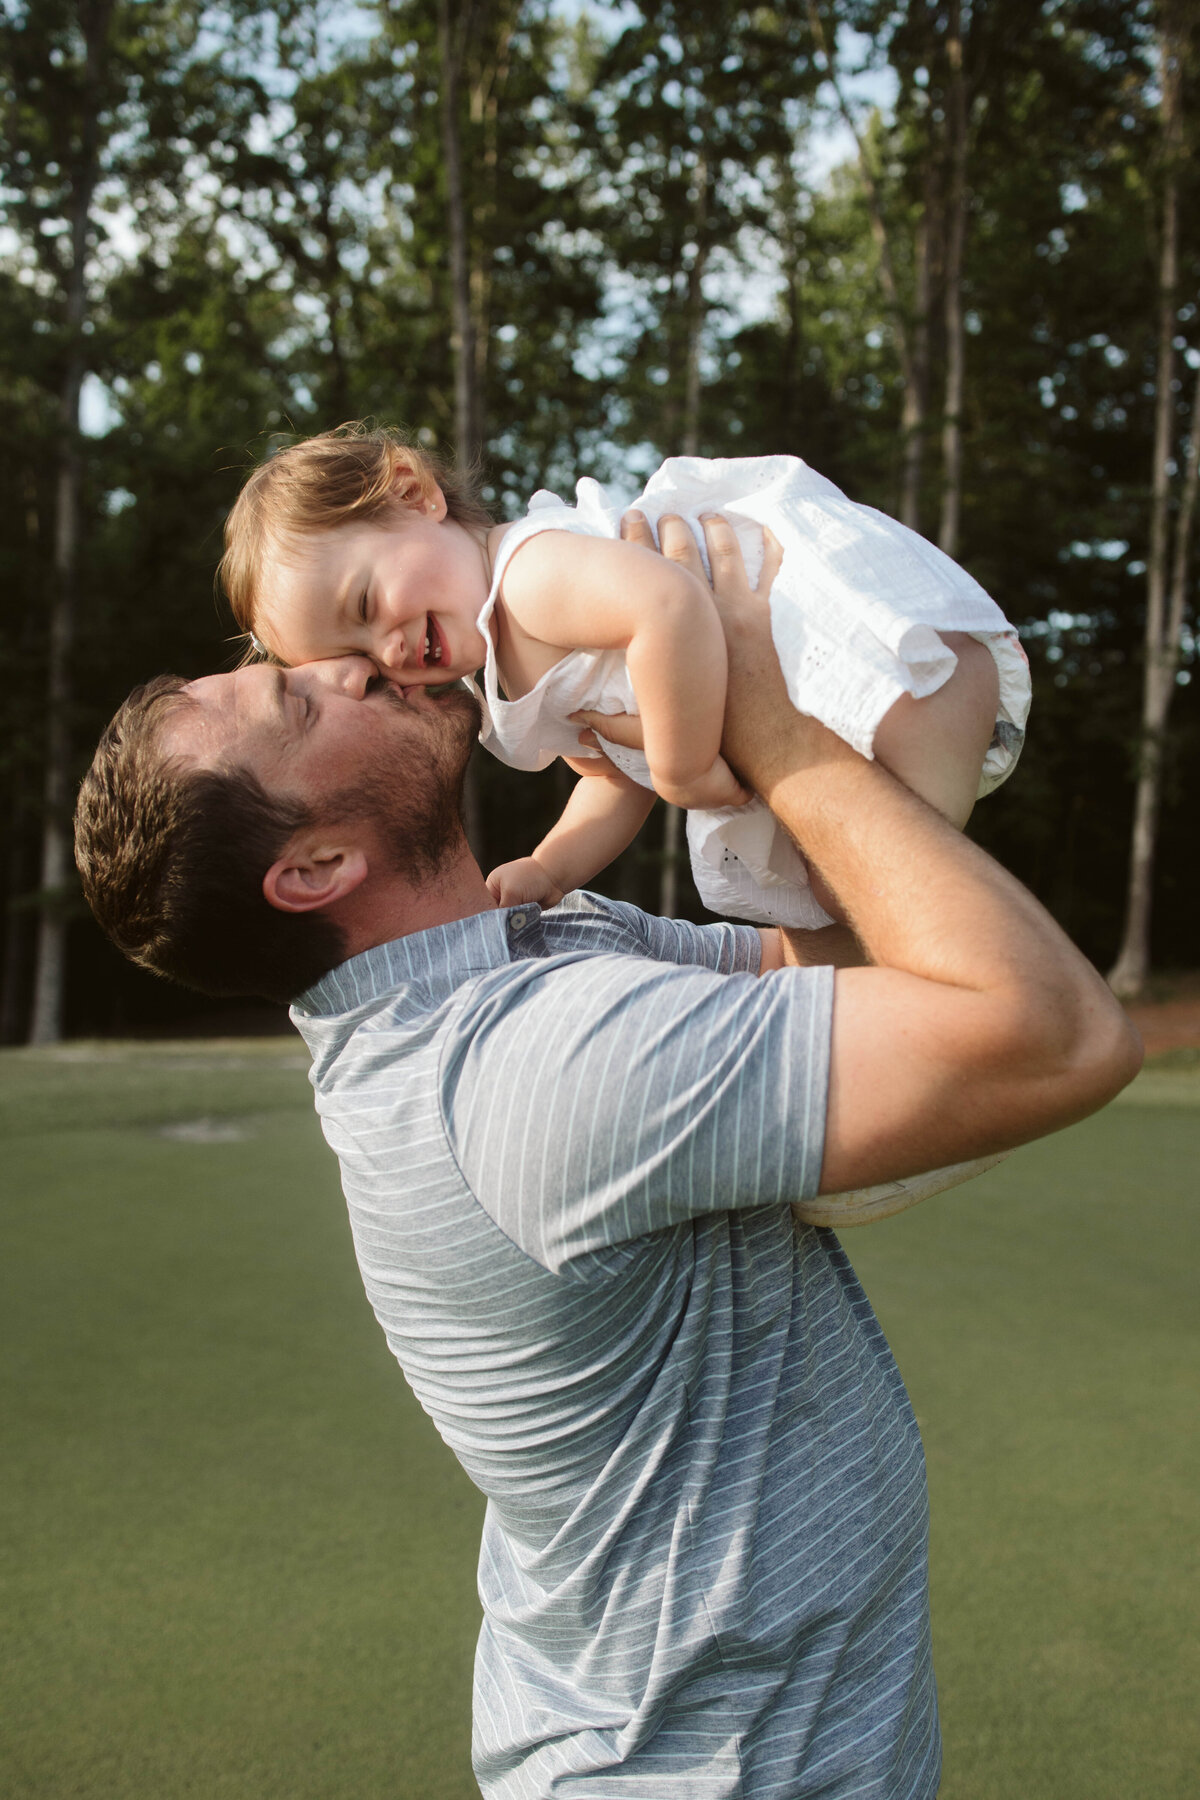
[(405, 590)]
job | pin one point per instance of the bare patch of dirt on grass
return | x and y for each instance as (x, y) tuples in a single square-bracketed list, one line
[(205, 1131), (1169, 1017)]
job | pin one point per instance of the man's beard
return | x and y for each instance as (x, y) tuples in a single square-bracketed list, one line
[(413, 791)]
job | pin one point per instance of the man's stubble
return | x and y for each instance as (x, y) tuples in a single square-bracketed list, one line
[(413, 791)]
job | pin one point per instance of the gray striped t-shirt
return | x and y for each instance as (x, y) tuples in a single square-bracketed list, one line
[(568, 1143)]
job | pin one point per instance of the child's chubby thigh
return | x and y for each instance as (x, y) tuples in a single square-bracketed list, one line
[(936, 745)]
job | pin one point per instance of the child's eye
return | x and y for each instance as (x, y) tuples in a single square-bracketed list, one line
[(362, 606)]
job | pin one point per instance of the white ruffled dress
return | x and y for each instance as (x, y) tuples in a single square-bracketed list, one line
[(855, 613)]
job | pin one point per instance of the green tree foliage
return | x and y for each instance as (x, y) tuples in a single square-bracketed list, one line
[(691, 103), (270, 252), (1059, 294), (92, 121)]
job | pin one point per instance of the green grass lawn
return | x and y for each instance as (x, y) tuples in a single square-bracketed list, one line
[(238, 1565)]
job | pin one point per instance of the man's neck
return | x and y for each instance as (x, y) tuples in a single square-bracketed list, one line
[(394, 908)]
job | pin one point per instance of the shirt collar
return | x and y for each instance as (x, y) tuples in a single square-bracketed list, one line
[(438, 960)]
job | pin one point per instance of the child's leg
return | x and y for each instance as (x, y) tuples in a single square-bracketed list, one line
[(936, 746)]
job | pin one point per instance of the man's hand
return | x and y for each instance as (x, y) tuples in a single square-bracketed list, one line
[(756, 696), (744, 612)]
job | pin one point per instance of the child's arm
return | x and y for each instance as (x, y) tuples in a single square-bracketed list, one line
[(604, 814), (582, 593)]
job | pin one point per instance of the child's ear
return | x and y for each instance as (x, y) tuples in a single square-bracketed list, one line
[(417, 495)]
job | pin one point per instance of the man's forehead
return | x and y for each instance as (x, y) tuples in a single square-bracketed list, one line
[(253, 693), (218, 711)]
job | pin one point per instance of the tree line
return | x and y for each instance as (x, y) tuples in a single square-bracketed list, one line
[(561, 240)]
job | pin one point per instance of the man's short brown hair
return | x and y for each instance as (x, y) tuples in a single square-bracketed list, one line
[(172, 860)]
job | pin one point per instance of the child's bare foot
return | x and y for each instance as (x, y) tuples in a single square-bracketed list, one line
[(886, 1198), (718, 786)]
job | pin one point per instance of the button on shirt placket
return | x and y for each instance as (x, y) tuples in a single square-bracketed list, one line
[(525, 936)]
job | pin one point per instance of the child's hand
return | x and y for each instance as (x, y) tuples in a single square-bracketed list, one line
[(521, 882), (614, 728), (718, 786)]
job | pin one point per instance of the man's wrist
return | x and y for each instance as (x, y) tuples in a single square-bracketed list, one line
[(786, 755)]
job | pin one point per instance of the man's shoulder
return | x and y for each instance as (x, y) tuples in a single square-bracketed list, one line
[(596, 924), (409, 989), (401, 993), (593, 923)]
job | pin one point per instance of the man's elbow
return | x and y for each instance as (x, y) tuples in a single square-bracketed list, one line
[(1116, 1057), (1081, 1055)]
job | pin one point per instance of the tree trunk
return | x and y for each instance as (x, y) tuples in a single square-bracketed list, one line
[(487, 99), (16, 930), (790, 240), (21, 840), (1127, 978), (453, 25), (668, 890), (332, 277), (690, 439), (50, 964), (916, 390), (1163, 621), (912, 380), (1128, 975), (668, 881), (956, 109)]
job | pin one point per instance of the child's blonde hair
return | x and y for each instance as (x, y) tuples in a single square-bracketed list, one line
[(344, 477)]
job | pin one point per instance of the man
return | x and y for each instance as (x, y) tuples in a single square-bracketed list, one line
[(568, 1144)]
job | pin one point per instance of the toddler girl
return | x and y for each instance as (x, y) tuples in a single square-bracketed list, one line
[(355, 542)]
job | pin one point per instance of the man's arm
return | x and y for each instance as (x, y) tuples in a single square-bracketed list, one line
[(830, 947), (978, 1025)]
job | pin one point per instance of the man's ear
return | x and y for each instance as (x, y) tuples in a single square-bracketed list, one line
[(309, 876)]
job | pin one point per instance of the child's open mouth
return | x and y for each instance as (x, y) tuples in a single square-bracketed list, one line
[(435, 648)]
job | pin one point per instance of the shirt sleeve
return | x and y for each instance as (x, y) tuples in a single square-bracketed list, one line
[(722, 947), (593, 1100), (616, 925)]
